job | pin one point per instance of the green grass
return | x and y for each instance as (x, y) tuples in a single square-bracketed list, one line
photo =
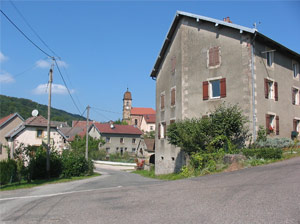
[(151, 174), (35, 183)]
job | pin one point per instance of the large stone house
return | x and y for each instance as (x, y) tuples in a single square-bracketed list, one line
[(118, 138), (6, 125), (33, 132), (141, 117), (204, 62)]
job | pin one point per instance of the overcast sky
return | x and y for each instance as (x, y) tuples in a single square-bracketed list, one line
[(107, 46)]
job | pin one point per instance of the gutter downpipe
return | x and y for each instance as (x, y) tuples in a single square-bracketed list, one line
[(253, 88)]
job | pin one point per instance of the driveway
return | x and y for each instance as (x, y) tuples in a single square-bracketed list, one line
[(265, 194)]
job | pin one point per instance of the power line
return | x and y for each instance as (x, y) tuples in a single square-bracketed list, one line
[(66, 85), (75, 123), (101, 114), (25, 34), (108, 111), (38, 36)]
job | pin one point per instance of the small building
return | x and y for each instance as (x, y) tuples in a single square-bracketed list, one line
[(205, 62), (7, 124), (118, 138), (33, 132)]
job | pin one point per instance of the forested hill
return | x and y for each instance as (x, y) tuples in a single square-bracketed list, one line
[(24, 107)]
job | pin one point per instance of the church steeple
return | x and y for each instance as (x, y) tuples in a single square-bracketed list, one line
[(127, 102)]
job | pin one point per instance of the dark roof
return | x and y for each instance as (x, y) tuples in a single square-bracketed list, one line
[(180, 15), (150, 118), (117, 129), (127, 95), (141, 111), (81, 123), (38, 121), (6, 119), (71, 132), (60, 124), (150, 143)]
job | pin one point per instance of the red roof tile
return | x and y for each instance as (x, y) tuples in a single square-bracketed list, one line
[(4, 119), (118, 129), (81, 123), (142, 111), (150, 118)]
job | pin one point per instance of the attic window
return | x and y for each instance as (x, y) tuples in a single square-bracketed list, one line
[(214, 56)]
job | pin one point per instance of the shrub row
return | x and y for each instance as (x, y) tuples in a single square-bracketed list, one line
[(8, 169), (263, 153)]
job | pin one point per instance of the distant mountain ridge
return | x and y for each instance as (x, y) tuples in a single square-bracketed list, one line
[(24, 107)]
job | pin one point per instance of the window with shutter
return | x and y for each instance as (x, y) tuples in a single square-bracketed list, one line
[(172, 121), (158, 134), (268, 123), (295, 96), (173, 92), (223, 87), (205, 90), (276, 91), (173, 65), (213, 56), (266, 89), (164, 129)]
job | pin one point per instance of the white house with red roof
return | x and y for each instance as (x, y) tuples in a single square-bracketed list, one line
[(33, 132), (118, 138), (141, 117), (7, 124)]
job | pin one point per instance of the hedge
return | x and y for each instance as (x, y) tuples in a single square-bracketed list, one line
[(263, 153)]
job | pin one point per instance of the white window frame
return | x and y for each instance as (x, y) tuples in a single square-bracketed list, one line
[(210, 89), (295, 68), (107, 149), (297, 95), (133, 141), (162, 129), (122, 140), (107, 140)]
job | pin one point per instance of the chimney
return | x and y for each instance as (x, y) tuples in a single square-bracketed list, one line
[(227, 19)]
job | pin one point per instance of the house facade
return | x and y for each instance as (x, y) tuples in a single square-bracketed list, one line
[(7, 124), (118, 138), (33, 132), (205, 62)]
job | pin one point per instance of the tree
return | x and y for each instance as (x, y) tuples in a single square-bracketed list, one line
[(226, 123), (78, 144), (120, 122)]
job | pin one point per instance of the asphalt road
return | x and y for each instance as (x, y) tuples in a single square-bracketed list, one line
[(265, 194)]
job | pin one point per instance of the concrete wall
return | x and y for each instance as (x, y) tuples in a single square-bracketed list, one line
[(12, 124), (29, 137), (282, 73)]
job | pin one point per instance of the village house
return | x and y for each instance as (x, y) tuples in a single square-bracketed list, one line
[(204, 62), (33, 132), (7, 124), (141, 117), (118, 138)]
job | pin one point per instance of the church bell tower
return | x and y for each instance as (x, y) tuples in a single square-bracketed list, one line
[(127, 101)]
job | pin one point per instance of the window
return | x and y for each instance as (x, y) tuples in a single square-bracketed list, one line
[(162, 101), (39, 133), (162, 130), (173, 65), (133, 141), (117, 149), (295, 96), (296, 125), (213, 56), (107, 150), (107, 140), (121, 151), (173, 99), (270, 57), (125, 149), (271, 89), (172, 121), (133, 149), (135, 122), (272, 124), (151, 128), (214, 89), (295, 70), (121, 140), (0, 148)]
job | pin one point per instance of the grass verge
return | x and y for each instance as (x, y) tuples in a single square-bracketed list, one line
[(151, 174), (35, 183)]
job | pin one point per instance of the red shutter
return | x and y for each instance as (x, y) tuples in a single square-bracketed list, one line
[(216, 56), (205, 90), (172, 121), (173, 97), (165, 129), (266, 89), (223, 87), (276, 91), (158, 134), (293, 97), (162, 101), (277, 125), (295, 125), (267, 123)]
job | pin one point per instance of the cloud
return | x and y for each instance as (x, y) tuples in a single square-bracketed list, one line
[(47, 63), (3, 57), (56, 89), (5, 77)]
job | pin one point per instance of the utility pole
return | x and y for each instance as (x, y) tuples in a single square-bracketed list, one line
[(87, 132), (48, 124)]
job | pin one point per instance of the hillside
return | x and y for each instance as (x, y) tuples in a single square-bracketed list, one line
[(24, 107)]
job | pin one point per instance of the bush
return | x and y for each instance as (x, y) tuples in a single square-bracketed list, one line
[(263, 153), (200, 161), (75, 164), (8, 171), (98, 154), (274, 143)]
